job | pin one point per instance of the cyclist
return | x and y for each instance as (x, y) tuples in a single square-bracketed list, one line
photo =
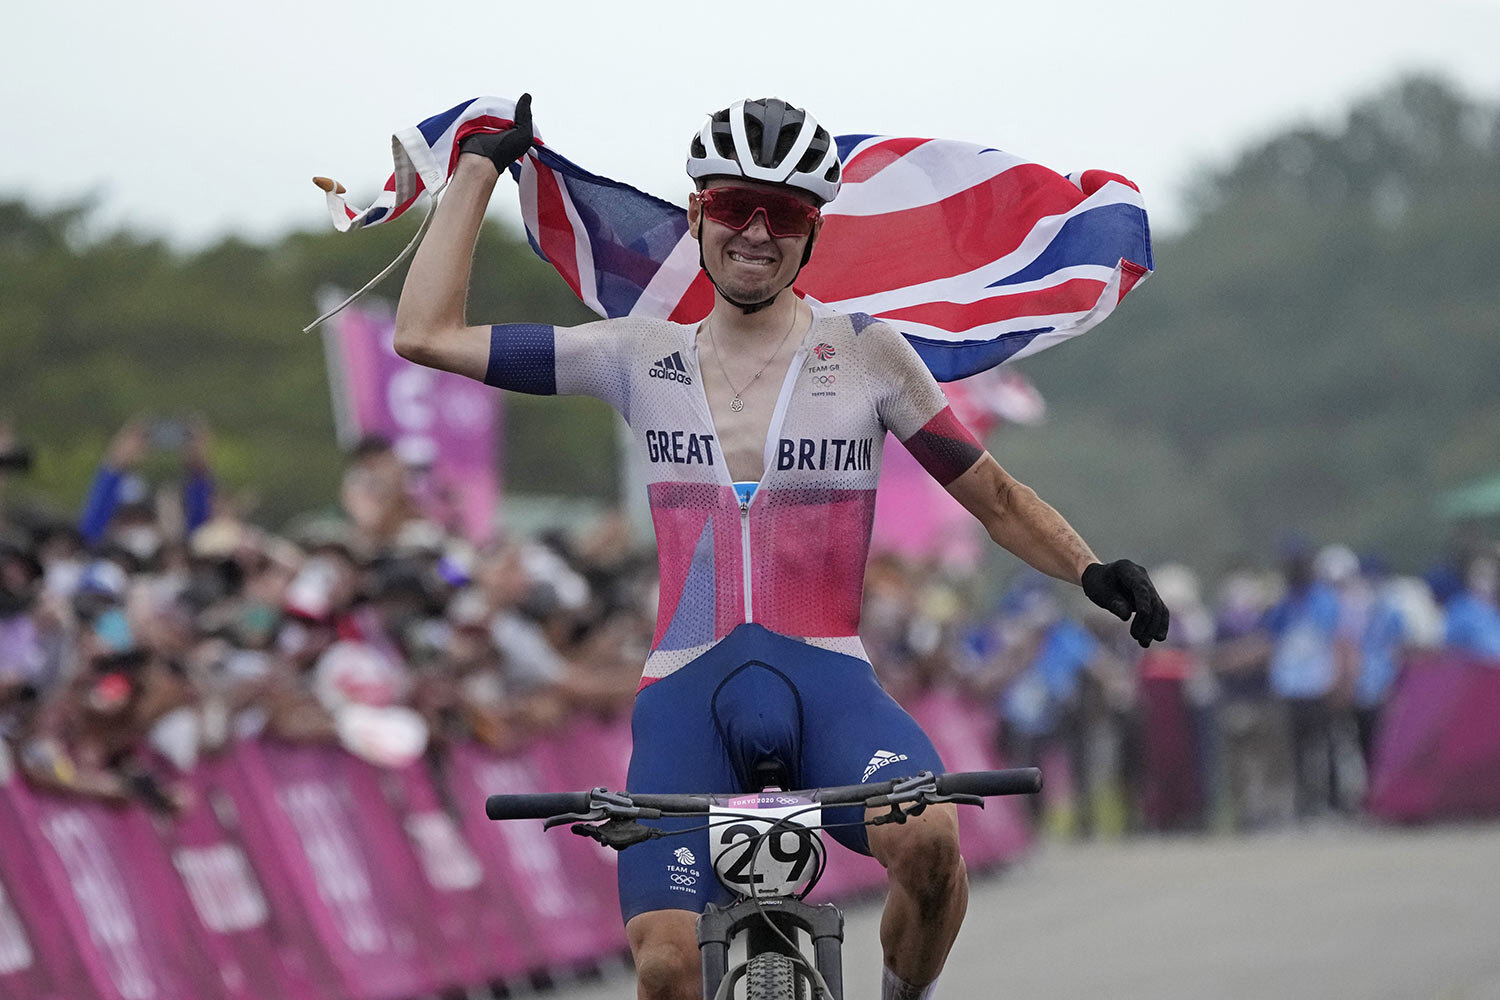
[(762, 429)]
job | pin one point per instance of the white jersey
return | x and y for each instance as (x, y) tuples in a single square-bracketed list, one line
[(789, 552)]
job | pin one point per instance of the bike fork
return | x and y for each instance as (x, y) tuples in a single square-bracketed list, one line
[(824, 923)]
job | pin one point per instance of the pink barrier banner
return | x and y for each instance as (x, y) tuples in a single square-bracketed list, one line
[(228, 908), (302, 872), (443, 422), (38, 957), (586, 755), (570, 917), (304, 830), (92, 864), (1438, 753), (468, 936)]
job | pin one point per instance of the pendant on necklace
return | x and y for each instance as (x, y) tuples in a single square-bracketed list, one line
[(736, 404)]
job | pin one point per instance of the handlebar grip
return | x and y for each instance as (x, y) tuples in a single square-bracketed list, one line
[(539, 805), (1016, 781)]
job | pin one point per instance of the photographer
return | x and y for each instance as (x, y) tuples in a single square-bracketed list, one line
[(118, 507)]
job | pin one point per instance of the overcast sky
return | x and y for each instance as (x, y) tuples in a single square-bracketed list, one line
[(195, 119)]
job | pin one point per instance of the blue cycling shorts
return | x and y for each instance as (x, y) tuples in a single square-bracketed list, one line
[(754, 696)]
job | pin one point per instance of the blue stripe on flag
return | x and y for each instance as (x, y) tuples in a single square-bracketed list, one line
[(1100, 236), (433, 128), (376, 214), (630, 232), (949, 361), (846, 144)]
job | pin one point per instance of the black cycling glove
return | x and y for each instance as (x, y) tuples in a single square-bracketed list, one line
[(1122, 588), (504, 148)]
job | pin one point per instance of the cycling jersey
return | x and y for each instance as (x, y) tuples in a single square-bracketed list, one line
[(790, 555)]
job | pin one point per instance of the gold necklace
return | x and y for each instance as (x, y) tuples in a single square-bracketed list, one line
[(737, 404)]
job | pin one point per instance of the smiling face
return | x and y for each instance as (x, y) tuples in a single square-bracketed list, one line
[(749, 264)]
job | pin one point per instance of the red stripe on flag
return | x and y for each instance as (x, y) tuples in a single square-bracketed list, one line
[(1092, 180), (869, 162), (482, 123), (554, 230), (1130, 273), (864, 254), (696, 303), (1071, 296)]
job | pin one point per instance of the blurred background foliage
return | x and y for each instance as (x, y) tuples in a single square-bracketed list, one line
[(1318, 352)]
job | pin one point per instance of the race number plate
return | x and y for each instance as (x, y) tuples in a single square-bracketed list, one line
[(785, 854)]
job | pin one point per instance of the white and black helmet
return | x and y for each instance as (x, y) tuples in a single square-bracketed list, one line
[(767, 140)]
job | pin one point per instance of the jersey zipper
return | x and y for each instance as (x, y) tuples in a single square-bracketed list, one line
[(745, 552)]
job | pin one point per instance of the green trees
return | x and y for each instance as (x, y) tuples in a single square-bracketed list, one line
[(1319, 352)]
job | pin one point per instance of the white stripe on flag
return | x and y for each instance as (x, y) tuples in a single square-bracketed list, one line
[(933, 171), (527, 183), (670, 282), (583, 252)]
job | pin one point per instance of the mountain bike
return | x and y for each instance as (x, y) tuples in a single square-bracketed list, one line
[(766, 849)]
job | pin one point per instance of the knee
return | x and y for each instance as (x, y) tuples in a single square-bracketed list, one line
[(923, 857), (666, 968)]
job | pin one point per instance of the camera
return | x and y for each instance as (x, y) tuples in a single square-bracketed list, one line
[(16, 458), (167, 434)]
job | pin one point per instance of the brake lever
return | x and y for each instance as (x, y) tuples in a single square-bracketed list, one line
[(592, 816), (618, 833), (920, 794), (603, 805)]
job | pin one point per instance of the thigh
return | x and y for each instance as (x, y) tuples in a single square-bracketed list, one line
[(675, 749), (853, 733)]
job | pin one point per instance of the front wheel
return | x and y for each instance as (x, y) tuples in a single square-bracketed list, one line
[(770, 976)]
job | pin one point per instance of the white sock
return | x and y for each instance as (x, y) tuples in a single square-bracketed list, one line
[(893, 987)]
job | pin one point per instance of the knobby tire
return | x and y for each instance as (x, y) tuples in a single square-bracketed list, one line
[(771, 976)]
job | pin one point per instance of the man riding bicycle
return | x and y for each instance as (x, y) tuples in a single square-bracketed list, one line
[(762, 476)]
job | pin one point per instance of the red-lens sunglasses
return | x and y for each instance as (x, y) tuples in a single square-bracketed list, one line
[(736, 207)]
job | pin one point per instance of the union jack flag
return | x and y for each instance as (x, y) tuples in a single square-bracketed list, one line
[(975, 255)]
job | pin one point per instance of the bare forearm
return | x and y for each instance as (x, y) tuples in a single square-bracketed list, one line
[(1032, 530), (436, 289), (1021, 522)]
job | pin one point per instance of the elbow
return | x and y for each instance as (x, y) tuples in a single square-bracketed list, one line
[(413, 343), (1001, 511)]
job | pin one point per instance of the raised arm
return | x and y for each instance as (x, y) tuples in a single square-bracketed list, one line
[(431, 328)]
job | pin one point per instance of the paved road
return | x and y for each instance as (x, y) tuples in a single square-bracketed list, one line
[(1323, 915)]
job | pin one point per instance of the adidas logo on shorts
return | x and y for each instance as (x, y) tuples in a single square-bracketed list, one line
[(881, 759), (671, 368)]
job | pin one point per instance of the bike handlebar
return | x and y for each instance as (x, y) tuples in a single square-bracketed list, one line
[(545, 805), (541, 805), (1015, 781)]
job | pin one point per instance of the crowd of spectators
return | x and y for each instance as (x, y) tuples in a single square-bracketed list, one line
[(158, 625)]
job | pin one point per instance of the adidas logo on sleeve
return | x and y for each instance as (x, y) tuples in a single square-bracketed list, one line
[(881, 759), (672, 369)]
